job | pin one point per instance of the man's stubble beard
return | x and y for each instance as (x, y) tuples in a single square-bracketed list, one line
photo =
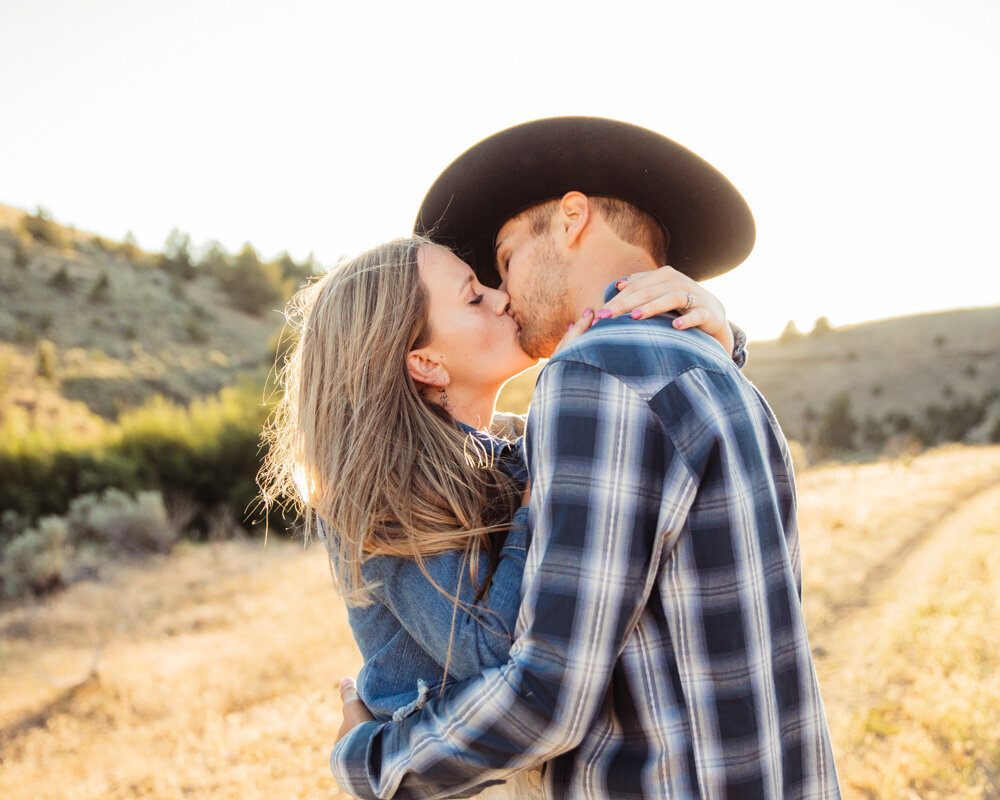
[(545, 309)]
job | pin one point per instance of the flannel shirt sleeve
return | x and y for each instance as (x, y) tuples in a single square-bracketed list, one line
[(600, 467)]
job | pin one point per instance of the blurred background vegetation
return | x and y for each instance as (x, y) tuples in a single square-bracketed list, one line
[(132, 384), (135, 385)]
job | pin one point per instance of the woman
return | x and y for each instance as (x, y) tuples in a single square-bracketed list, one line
[(383, 432)]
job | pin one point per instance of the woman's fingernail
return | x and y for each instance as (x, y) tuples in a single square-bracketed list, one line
[(570, 326), (636, 314), (680, 323), (587, 312), (602, 313)]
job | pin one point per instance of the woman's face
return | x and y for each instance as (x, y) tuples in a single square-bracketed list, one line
[(471, 332)]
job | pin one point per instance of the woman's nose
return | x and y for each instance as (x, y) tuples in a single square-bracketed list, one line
[(500, 300)]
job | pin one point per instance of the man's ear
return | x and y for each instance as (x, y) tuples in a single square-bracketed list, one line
[(425, 369), (574, 216)]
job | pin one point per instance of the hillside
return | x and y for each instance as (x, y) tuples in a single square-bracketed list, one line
[(112, 328), (891, 385), (935, 377)]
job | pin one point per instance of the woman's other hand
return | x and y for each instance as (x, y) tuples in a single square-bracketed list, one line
[(355, 711), (646, 294), (574, 331)]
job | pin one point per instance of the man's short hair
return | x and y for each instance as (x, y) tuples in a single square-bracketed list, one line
[(630, 223)]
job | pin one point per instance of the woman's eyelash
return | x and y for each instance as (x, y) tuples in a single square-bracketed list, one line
[(479, 299)]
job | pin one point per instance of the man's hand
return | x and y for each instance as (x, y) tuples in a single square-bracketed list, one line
[(646, 294), (355, 711)]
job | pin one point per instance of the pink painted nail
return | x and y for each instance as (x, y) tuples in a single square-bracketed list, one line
[(570, 326), (587, 312), (602, 313), (636, 314)]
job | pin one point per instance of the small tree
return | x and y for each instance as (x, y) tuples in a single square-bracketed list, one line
[(129, 249), (791, 332), (175, 259), (253, 285), (40, 227), (821, 327), (214, 260)]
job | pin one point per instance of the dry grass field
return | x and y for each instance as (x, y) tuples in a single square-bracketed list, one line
[(211, 673)]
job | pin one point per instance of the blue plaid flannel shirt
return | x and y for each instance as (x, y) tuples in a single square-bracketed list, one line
[(662, 651)]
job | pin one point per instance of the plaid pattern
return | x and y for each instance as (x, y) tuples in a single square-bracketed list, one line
[(662, 651)]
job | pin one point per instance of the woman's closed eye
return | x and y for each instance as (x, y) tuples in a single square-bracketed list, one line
[(477, 300)]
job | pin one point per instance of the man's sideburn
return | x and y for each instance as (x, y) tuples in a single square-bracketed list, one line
[(545, 309)]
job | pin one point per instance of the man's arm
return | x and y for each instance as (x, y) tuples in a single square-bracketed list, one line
[(600, 463)]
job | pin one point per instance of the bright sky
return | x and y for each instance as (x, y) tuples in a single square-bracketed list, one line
[(863, 133)]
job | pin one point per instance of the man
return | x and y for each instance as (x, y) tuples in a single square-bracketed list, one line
[(661, 648)]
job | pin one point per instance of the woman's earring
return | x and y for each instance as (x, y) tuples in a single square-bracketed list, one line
[(444, 398)]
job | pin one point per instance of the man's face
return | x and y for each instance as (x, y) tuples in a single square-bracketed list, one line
[(536, 276)]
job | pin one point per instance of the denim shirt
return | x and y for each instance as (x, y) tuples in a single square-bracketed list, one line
[(405, 632)]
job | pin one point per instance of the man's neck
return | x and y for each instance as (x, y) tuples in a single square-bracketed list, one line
[(602, 269)]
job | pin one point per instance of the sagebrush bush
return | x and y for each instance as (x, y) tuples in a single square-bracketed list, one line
[(124, 524), (37, 560)]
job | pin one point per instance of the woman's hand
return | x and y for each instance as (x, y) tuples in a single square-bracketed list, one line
[(646, 294), (573, 331), (355, 711)]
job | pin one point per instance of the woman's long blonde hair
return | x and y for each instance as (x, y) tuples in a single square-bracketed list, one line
[(354, 441)]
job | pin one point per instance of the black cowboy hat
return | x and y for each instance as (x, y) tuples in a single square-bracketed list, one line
[(709, 226)]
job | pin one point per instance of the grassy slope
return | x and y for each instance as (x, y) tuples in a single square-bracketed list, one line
[(903, 364), (146, 337), (217, 666)]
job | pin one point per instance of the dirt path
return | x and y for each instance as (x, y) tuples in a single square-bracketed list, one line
[(900, 574), (894, 591)]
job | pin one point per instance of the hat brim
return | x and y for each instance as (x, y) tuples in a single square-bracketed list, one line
[(708, 223)]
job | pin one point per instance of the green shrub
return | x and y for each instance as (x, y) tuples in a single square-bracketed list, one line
[(101, 290), (838, 428), (20, 255), (61, 281), (37, 560), (208, 453)]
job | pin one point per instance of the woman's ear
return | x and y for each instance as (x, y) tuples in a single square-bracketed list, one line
[(425, 369), (574, 213)]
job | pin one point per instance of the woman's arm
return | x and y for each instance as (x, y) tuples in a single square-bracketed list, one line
[(476, 634)]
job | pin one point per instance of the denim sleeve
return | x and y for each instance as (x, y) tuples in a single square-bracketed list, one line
[(483, 630)]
